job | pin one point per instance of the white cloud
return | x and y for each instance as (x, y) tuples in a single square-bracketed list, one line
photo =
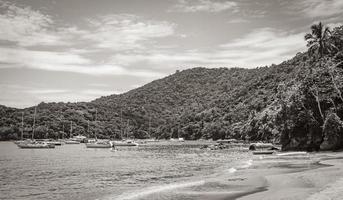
[(26, 27), (258, 48), (46, 91), (238, 21), (321, 8), (67, 62), (204, 6), (125, 32)]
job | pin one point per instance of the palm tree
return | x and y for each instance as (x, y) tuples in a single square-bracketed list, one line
[(319, 40)]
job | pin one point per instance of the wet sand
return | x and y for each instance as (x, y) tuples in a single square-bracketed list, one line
[(313, 176)]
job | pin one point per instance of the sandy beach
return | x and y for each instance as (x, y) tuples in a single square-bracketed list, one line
[(314, 176)]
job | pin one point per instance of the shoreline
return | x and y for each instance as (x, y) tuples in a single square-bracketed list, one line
[(318, 178)]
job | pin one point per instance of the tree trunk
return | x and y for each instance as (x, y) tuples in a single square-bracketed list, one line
[(316, 95)]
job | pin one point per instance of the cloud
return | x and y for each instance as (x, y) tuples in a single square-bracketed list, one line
[(260, 47), (126, 32), (238, 21), (321, 8), (64, 61), (192, 6), (26, 27), (46, 91)]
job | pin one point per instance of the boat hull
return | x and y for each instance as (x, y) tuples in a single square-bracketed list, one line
[(36, 146), (72, 142), (124, 144), (97, 145), (263, 152)]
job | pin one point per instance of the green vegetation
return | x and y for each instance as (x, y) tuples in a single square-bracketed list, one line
[(296, 103)]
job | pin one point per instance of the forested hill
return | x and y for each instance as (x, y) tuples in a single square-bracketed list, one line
[(298, 103)]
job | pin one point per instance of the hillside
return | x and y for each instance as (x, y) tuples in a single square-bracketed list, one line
[(297, 103)]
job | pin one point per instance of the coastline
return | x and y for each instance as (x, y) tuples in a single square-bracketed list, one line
[(320, 177)]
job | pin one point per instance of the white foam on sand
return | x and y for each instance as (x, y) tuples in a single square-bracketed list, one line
[(232, 170), (157, 189), (333, 191), (247, 164)]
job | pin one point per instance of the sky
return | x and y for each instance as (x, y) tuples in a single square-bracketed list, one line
[(80, 50)]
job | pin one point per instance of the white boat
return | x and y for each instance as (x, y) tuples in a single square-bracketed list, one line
[(32, 144), (71, 142), (35, 145), (54, 142), (100, 144), (127, 143)]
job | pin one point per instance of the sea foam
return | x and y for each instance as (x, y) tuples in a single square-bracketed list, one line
[(157, 189)]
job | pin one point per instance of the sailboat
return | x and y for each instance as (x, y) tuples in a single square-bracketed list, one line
[(32, 144), (126, 142), (71, 140), (22, 131), (99, 143)]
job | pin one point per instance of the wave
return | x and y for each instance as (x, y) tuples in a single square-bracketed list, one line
[(157, 189)]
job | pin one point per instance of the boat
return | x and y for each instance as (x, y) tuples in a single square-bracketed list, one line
[(54, 142), (71, 140), (126, 143), (33, 144), (100, 144), (22, 131), (262, 152)]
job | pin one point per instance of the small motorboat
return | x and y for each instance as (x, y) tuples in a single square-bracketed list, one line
[(100, 144), (54, 142), (71, 142), (126, 143), (35, 145), (262, 152)]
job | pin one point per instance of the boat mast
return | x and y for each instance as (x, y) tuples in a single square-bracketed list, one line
[(121, 123), (127, 128), (22, 126), (62, 131), (96, 115), (149, 127), (71, 129), (34, 122), (88, 128)]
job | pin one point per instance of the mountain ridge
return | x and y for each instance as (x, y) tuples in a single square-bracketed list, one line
[(292, 103)]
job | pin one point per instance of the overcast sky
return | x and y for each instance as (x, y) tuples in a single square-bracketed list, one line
[(79, 50)]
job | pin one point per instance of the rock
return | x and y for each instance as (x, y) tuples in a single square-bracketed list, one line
[(333, 133), (252, 147), (255, 146)]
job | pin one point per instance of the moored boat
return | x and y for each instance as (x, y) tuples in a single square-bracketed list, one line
[(56, 143), (35, 145), (263, 152), (71, 142), (100, 144), (127, 143)]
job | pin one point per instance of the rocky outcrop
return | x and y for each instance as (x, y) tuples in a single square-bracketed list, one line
[(333, 133)]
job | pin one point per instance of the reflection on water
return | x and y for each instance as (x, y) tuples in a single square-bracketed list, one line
[(75, 172)]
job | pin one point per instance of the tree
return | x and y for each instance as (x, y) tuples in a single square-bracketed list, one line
[(318, 40)]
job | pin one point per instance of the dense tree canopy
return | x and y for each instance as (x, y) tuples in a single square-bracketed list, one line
[(276, 103)]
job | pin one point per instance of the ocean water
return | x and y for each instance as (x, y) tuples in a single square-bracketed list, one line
[(166, 170)]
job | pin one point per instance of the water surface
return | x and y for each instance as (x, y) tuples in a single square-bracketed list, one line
[(152, 171)]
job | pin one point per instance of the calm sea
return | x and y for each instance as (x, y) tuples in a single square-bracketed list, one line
[(152, 171)]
